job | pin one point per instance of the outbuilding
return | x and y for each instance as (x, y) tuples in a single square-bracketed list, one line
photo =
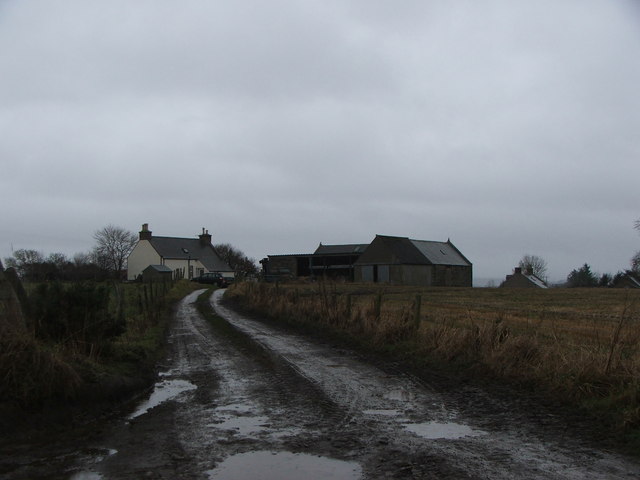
[(157, 273), (404, 261)]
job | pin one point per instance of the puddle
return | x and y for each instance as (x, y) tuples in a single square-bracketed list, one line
[(399, 394), (287, 432), (434, 430), (242, 425), (86, 476), (284, 466), (235, 407), (163, 391), (386, 413), (96, 455)]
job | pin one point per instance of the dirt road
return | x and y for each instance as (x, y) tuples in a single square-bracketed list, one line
[(247, 401)]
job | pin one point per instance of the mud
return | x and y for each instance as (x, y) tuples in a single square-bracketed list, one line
[(253, 401)]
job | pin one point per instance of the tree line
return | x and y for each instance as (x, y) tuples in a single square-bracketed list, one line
[(582, 276), (106, 260)]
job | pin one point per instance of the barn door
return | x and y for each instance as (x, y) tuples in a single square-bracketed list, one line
[(383, 273)]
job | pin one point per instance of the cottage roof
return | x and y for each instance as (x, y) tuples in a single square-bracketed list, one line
[(627, 280), (520, 279), (634, 280), (347, 249), (189, 248), (535, 280)]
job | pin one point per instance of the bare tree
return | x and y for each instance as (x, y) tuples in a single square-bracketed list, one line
[(26, 262), (114, 244), (236, 259), (535, 264)]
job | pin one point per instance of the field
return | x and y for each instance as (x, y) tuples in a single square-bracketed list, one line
[(579, 345)]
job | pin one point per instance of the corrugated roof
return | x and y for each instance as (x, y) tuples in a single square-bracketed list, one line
[(347, 249), (185, 248), (440, 253)]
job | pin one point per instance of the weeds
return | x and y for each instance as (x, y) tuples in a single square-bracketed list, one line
[(81, 333)]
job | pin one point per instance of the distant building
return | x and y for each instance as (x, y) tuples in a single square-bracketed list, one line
[(626, 280), (331, 261), (336, 261), (185, 257), (403, 261), (396, 260), (518, 279), (286, 267)]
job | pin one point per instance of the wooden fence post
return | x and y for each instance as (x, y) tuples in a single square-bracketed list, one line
[(377, 306)]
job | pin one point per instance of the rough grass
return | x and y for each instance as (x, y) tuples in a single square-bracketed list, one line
[(579, 345), (31, 373), (35, 373)]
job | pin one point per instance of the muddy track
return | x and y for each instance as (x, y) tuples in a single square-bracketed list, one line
[(242, 399)]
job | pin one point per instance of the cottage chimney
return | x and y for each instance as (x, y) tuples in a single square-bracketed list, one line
[(205, 238), (518, 271), (529, 270), (145, 233)]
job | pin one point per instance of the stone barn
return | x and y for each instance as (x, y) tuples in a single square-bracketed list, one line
[(403, 261)]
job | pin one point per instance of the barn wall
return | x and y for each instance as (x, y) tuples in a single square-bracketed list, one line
[(289, 266), (452, 276), (411, 275)]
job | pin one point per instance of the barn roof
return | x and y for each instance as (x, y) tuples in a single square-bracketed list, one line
[(347, 249), (405, 251), (440, 253), (189, 248)]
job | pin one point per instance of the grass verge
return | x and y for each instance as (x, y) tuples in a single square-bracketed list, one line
[(580, 347), (44, 382)]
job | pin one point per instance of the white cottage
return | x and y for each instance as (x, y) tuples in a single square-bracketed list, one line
[(186, 257)]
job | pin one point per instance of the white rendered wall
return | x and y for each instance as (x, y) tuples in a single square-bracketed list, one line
[(141, 257)]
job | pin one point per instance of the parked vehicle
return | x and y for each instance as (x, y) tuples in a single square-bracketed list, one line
[(213, 278)]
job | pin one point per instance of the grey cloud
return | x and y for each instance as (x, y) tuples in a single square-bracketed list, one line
[(510, 127)]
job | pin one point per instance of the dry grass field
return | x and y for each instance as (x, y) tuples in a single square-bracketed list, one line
[(582, 345)]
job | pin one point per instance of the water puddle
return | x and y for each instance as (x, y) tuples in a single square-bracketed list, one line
[(435, 430), (385, 413), (86, 476), (400, 394), (242, 425), (287, 432), (284, 466), (235, 407), (163, 391)]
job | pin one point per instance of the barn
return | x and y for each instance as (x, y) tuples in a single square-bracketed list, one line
[(403, 261)]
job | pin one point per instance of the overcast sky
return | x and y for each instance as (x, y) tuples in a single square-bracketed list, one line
[(510, 127)]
